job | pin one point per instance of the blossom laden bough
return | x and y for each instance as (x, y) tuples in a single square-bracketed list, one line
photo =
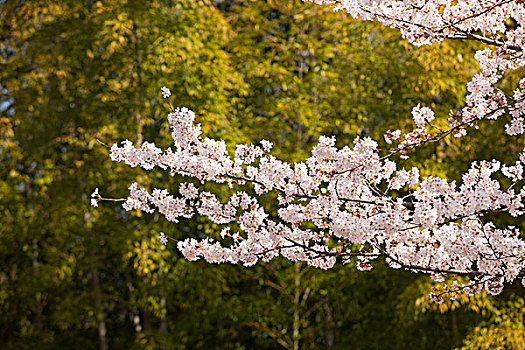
[(346, 194), (424, 22), (355, 203)]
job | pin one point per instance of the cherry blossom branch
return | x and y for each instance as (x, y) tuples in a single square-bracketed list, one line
[(484, 40), (428, 225)]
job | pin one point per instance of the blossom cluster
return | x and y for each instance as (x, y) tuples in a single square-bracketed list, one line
[(338, 204), (424, 22), (352, 204)]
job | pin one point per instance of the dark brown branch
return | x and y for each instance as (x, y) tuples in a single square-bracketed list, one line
[(484, 40)]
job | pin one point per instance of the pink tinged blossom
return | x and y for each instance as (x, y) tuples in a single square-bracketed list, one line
[(515, 127), (188, 248), (165, 92), (266, 145), (163, 238), (95, 196), (515, 172), (421, 115), (188, 190)]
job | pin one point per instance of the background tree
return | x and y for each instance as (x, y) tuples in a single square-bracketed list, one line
[(75, 71)]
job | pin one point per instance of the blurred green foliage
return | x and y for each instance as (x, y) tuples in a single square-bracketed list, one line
[(74, 71)]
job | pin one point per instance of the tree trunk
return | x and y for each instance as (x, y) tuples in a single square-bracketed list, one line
[(296, 301), (101, 317), (330, 329)]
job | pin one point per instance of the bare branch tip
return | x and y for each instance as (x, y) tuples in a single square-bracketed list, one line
[(103, 144)]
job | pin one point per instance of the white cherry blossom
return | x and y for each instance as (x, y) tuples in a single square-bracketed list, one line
[(356, 203)]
